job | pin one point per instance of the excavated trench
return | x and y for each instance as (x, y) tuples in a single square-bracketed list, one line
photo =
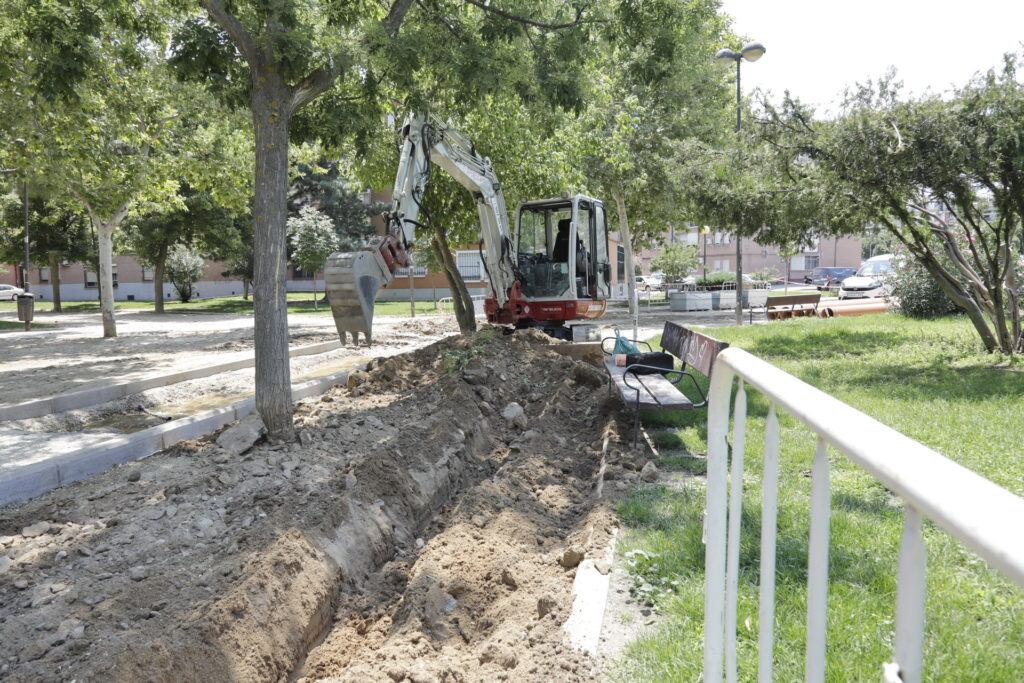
[(426, 527)]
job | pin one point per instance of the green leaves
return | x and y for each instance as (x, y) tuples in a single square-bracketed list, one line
[(312, 238)]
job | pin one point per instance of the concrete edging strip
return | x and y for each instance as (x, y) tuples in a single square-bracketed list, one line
[(84, 398), (35, 479)]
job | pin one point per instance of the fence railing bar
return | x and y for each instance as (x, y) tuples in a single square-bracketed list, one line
[(910, 599), (769, 528), (715, 524), (981, 514), (739, 437), (817, 564)]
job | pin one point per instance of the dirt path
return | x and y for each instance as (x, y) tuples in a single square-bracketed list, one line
[(68, 358), (414, 533)]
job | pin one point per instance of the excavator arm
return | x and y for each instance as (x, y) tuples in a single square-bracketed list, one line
[(353, 279)]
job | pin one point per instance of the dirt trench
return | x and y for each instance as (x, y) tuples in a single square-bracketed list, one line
[(414, 533)]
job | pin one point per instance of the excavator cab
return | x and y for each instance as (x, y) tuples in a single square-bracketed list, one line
[(562, 258)]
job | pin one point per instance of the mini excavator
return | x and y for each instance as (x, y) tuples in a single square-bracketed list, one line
[(555, 270)]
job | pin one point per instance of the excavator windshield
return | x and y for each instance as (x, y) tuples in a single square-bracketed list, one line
[(544, 248)]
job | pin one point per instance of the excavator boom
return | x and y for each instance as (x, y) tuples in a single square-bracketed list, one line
[(354, 279)]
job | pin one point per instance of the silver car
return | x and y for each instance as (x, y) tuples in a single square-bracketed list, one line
[(871, 280), (10, 292)]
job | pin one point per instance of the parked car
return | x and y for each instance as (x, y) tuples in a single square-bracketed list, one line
[(871, 280), (647, 283), (10, 292), (826, 278)]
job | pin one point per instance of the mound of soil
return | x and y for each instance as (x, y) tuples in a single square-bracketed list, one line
[(426, 526)]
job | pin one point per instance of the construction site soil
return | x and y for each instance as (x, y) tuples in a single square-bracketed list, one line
[(426, 525)]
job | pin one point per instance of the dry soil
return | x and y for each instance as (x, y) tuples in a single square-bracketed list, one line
[(422, 528)]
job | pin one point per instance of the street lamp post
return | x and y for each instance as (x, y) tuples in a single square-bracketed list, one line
[(750, 52), (24, 267)]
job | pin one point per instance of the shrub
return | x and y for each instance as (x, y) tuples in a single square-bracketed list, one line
[(716, 279), (768, 274), (916, 292), (183, 269)]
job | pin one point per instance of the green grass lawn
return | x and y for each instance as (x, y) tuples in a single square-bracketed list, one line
[(930, 380), (298, 302)]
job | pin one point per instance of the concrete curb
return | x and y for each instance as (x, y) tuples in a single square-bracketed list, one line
[(35, 479), (110, 392)]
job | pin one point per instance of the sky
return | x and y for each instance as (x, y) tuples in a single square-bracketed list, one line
[(817, 48)]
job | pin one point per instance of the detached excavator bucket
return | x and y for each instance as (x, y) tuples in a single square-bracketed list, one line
[(352, 282)]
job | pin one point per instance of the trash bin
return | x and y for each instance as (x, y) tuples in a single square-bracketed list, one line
[(26, 309)]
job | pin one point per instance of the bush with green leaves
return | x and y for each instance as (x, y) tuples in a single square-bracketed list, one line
[(716, 280), (768, 274), (916, 292), (184, 268)]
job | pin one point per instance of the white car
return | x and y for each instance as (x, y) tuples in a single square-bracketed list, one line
[(10, 292), (646, 283), (871, 280)]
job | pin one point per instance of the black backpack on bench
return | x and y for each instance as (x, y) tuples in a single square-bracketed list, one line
[(659, 361)]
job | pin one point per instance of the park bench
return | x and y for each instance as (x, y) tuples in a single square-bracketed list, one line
[(660, 390), (792, 305)]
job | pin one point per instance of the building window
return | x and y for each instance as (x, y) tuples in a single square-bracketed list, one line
[(797, 262), (147, 274), (91, 280), (470, 265), (44, 274), (620, 263), (810, 261)]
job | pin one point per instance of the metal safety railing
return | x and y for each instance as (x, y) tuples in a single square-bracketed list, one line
[(980, 514)]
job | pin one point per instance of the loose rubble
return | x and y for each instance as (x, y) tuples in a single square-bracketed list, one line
[(414, 533)]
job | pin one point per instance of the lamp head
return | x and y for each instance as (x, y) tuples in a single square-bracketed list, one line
[(727, 56), (752, 51)]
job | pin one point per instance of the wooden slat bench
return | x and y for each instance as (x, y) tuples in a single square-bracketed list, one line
[(792, 305), (661, 391)]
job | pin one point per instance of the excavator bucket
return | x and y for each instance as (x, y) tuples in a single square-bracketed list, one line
[(352, 281)]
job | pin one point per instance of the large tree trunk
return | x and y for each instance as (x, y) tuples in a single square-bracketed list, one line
[(158, 280), (462, 302), (105, 239), (270, 103), (245, 289), (627, 240), (54, 258)]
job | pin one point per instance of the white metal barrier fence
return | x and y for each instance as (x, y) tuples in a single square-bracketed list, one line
[(974, 510)]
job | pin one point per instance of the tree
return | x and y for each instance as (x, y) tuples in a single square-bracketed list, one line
[(657, 86), (942, 176), (313, 239), (184, 268), (55, 231), (198, 220), (327, 191), (285, 56), (676, 261)]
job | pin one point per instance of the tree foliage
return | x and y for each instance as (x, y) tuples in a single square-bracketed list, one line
[(313, 239), (184, 269), (676, 261), (324, 188), (944, 176)]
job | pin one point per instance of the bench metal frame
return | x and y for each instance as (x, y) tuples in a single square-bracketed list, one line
[(681, 352)]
